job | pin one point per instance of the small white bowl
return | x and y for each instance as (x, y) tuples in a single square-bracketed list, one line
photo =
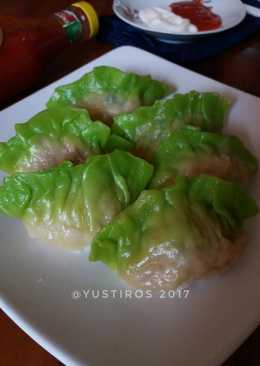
[(232, 12)]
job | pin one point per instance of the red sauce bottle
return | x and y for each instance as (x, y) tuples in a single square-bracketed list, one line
[(28, 44)]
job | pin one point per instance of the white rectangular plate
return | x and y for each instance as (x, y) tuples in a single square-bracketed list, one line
[(37, 281)]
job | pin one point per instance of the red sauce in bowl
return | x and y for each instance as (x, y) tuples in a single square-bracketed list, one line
[(200, 15)]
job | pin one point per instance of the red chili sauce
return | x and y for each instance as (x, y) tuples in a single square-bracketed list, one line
[(198, 14)]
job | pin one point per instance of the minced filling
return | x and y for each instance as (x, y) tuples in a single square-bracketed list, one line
[(221, 166), (49, 153), (168, 267), (106, 107)]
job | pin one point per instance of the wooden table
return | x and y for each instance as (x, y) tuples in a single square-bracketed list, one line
[(239, 67)]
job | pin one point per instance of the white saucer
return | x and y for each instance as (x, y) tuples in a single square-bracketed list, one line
[(232, 12)]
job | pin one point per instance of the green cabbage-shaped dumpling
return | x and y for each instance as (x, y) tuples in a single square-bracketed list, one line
[(148, 126), (115, 142), (50, 137), (191, 152), (106, 92), (69, 204), (171, 236)]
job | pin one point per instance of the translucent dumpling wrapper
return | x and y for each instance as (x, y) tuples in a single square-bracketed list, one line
[(115, 142), (106, 92), (169, 237), (50, 137), (190, 152), (148, 126), (69, 204)]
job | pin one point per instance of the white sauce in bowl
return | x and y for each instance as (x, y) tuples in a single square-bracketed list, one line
[(164, 20)]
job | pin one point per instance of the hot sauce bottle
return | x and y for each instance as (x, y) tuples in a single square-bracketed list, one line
[(28, 44)]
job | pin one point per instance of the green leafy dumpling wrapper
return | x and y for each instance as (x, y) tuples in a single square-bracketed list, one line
[(190, 152), (106, 92), (50, 137), (147, 127), (116, 142), (69, 204), (172, 236)]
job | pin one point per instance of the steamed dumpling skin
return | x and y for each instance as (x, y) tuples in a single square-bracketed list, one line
[(191, 152), (170, 237), (105, 108), (168, 267), (68, 204), (147, 127), (51, 137), (107, 92)]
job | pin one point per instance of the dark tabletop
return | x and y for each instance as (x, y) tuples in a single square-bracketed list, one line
[(238, 67)]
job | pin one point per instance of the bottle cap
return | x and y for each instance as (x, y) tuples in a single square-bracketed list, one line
[(91, 15)]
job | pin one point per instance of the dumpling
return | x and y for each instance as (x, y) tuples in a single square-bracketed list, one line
[(190, 152), (106, 92), (172, 236), (69, 204), (148, 126), (116, 142), (50, 137)]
